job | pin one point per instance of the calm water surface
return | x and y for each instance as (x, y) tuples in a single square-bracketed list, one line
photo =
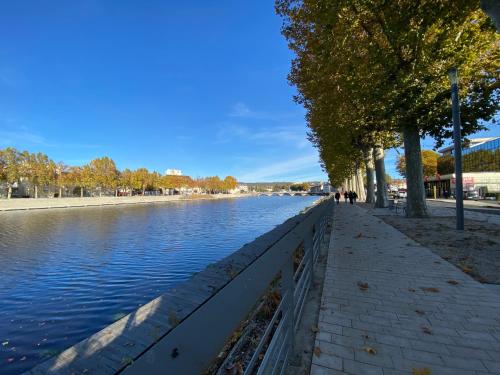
[(66, 274)]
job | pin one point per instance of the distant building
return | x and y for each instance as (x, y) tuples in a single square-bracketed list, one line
[(480, 169), (322, 188), (173, 172), (239, 189), (467, 147)]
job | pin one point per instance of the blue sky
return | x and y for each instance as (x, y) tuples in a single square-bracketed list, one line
[(197, 85)]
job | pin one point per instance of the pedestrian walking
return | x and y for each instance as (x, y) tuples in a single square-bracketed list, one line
[(337, 197), (354, 196), (346, 196), (351, 197)]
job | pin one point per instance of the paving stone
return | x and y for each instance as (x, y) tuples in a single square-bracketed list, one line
[(452, 332), (493, 366), (359, 368), (320, 370), (327, 360)]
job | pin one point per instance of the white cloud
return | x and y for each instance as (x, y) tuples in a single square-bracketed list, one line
[(241, 110), (283, 135), (283, 170)]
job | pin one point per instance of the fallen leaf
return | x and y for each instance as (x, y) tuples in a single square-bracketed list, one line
[(421, 371), (359, 235), (466, 269), (10, 360), (420, 312), (362, 286), (317, 351), (426, 330), (370, 350), (23, 358), (430, 289), (5, 343), (411, 290), (314, 329), (452, 282), (365, 336)]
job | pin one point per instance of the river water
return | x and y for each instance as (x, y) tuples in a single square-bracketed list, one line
[(68, 273)]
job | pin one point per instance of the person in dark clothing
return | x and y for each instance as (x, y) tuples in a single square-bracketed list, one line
[(351, 197), (354, 196), (337, 197), (346, 195)]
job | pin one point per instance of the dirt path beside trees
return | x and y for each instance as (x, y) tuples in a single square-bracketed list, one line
[(476, 250)]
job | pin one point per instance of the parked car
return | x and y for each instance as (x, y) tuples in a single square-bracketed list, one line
[(473, 195), (401, 193)]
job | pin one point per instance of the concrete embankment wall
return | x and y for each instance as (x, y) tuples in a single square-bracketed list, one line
[(46, 203)]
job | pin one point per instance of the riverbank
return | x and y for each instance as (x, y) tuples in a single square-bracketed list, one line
[(19, 204)]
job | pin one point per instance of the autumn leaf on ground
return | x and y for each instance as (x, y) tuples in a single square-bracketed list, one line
[(359, 235), (426, 330), (370, 350), (452, 282), (420, 312), (466, 269), (317, 351), (421, 371), (362, 286), (411, 290), (430, 289), (314, 329)]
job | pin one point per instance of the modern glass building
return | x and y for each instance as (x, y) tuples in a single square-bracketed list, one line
[(480, 167)]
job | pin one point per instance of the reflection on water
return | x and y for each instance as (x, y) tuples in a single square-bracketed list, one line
[(66, 274)]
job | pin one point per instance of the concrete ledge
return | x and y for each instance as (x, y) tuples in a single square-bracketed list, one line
[(23, 204)]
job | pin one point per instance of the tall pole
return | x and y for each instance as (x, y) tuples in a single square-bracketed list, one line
[(457, 139)]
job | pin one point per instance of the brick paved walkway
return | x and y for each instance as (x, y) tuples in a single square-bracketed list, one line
[(388, 307)]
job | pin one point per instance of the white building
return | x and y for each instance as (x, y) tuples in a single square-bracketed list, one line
[(173, 172), (322, 188)]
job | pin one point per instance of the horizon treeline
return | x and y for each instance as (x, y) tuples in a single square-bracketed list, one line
[(98, 176)]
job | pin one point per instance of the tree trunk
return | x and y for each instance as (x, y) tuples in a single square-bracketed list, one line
[(116, 192), (36, 191), (81, 192), (360, 186), (416, 205), (9, 192), (60, 192), (382, 200), (370, 174)]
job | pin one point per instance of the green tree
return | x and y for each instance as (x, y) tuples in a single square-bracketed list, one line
[(140, 178), (104, 173), (429, 163), (386, 63), (230, 183), (11, 164), (126, 180)]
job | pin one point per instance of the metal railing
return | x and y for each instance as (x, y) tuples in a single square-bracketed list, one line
[(192, 346)]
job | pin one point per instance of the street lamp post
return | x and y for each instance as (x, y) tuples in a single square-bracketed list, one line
[(457, 139)]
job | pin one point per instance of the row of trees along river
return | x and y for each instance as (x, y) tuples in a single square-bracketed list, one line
[(100, 175), (374, 75)]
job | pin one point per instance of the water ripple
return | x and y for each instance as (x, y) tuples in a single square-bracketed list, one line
[(66, 274)]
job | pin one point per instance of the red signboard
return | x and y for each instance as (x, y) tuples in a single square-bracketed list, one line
[(466, 180)]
